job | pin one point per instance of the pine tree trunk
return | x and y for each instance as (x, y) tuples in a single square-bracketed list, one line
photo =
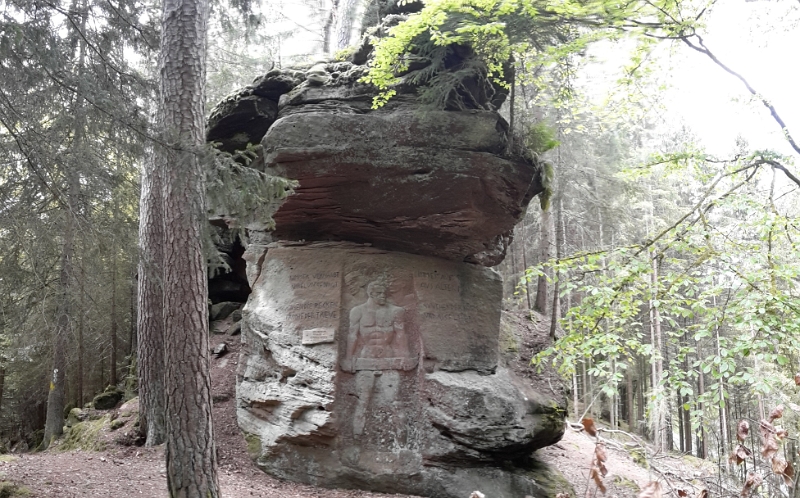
[(79, 366), (112, 335), (56, 398), (190, 452), (150, 311)]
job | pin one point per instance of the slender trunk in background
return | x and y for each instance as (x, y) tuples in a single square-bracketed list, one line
[(659, 412), (629, 396), (190, 452), (702, 443), (545, 254), (525, 264), (344, 23), (2, 384), (56, 398), (112, 335), (687, 419), (81, 345), (559, 233), (327, 28)]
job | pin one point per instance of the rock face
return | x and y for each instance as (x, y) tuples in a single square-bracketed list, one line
[(379, 370), (438, 183)]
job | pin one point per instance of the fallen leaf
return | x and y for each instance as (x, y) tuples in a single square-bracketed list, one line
[(651, 490), (589, 427)]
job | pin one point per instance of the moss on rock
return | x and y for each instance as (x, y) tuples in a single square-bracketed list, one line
[(85, 435)]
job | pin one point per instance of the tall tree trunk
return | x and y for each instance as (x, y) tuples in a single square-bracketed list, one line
[(190, 453), (525, 263), (559, 235), (150, 311), (545, 254), (112, 335), (81, 345), (345, 20), (629, 397), (659, 413), (56, 398), (702, 443)]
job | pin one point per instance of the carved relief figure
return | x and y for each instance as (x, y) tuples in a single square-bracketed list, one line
[(377, 347)]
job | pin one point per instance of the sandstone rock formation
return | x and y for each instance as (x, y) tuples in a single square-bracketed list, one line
[(378, 369), (372, 356)]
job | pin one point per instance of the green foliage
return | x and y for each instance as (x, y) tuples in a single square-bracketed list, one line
[(238, 191), (496, 29), (726, 293)]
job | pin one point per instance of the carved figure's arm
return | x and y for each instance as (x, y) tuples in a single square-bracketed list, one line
[(400, 338), (352, 340)]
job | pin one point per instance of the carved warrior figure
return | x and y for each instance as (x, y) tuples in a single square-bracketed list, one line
[(377, 347)]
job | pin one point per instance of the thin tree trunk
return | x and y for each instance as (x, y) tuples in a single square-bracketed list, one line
[(545, 254), (702, 444), (81, 345), (2, 384), (112, 336), (525, 263), (629, 398), (345, 20), (559, 233), (56, 398), (659, 415), (190, 452)]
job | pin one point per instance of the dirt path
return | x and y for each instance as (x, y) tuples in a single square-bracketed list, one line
[(129, 471)]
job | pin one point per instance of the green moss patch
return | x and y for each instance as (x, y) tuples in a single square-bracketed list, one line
[(11, 490), (85, 435)]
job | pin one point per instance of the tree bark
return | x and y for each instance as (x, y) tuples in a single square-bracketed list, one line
[(112, 331), (56, 398), (545, 254), (345, 19), (150, 311), (190, 452)]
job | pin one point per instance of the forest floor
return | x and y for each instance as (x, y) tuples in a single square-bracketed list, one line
[(106, 467)]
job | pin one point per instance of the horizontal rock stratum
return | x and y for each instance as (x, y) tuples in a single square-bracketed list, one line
[(402, 177)]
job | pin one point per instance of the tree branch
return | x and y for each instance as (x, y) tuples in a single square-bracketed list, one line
[(700, 47)]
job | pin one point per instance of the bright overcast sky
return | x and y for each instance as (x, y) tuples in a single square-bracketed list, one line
[(758, 40)]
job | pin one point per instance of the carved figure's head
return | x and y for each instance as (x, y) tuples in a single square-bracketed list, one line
[(377, 291)]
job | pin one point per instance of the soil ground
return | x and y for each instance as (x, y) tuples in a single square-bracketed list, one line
[(113, 469)]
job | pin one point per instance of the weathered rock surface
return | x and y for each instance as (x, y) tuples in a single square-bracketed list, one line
[(380, 370), (437, 183), (426, 183)]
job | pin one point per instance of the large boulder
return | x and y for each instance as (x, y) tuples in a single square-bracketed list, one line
[(402, 177), (375, 369), (432, 183)]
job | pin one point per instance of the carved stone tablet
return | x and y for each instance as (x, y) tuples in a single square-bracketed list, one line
[(318, 336)]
